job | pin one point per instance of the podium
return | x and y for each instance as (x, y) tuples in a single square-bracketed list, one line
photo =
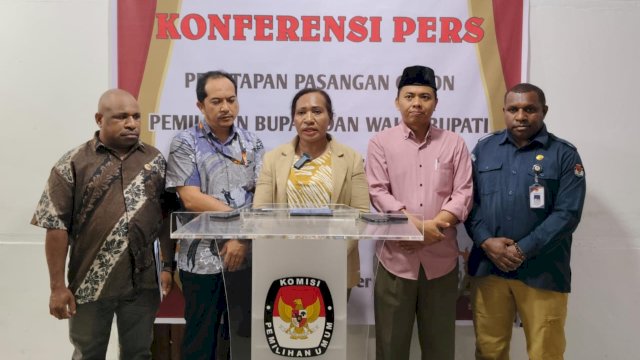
[(298, 266)]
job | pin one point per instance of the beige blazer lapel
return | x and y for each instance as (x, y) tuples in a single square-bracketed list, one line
[(339, 169), (283, 167)]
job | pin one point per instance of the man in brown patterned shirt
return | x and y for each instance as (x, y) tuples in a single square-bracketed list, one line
[(103, 203)]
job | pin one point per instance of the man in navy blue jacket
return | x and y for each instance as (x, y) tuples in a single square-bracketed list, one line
[(529, 190)]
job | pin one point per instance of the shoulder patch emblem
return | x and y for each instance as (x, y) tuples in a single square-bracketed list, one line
[(578, 170)]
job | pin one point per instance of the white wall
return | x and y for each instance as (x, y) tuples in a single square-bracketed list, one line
[(584, 54), (53, 68)]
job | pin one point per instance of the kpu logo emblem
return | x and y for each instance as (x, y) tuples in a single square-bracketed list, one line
[(298, 317)]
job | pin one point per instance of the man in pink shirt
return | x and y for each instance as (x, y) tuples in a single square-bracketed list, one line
[(416, 168)]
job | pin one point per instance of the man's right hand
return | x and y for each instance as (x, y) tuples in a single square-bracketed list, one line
[(62, 303), (166, 282), (496, 250), (233, 253)]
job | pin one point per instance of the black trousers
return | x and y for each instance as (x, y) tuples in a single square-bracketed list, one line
[(204, 307)]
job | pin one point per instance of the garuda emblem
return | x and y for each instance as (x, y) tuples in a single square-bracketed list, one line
[(299, 317)]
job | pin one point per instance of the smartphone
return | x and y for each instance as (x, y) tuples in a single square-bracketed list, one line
[(226, 215), (310, 212), (383, 218)]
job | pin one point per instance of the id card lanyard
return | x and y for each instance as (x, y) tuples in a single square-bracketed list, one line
[(242, 161), (536, 191), (243, 151)]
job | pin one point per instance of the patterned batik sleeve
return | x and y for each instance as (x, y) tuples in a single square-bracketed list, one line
[(181, 165), (259, 152), (55, 208)]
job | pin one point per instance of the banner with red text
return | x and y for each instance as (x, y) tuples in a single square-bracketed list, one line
[(355, 50)]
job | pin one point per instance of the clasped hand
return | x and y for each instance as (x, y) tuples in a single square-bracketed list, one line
[(503, 253), (432, 231)]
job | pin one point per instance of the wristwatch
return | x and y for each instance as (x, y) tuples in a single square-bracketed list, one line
[(519, 251)]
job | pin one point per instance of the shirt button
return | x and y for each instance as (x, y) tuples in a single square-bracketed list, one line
[(420, 185), (509, 218), (514, 172), (510, 192), (420, 205), (420, 165)]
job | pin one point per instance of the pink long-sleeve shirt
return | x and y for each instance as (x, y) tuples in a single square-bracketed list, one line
[(425, 178)]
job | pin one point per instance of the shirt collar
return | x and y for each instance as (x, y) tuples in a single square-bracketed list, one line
[(407, 133), (98, 145), (541, 138), (207, 132)]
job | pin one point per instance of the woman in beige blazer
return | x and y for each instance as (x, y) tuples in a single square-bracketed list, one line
[(278, 182)]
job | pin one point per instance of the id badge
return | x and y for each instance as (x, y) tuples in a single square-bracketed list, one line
[(536, 196)]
